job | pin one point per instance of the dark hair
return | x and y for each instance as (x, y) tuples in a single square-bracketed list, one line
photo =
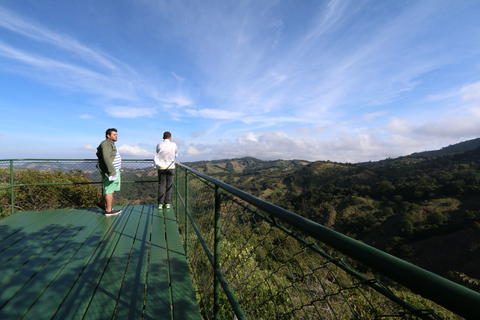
[(109, 131), (166, 135)]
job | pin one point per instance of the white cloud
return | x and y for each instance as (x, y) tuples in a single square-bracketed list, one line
[(452, 127), (398, 125), (442, 96), (399, 138), (267, 145), (87, 147), (370, 116), (475, 112), (309, 131), (215, 114), (197, 133), (86, 116), (134, 151), (179, 101), (471, 91), (130, 112), (463, 124), (248, 137), (192, 151), (179, 142), (466, 93), (144, 144)]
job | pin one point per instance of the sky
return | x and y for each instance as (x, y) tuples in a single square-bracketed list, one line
[(345, 81)]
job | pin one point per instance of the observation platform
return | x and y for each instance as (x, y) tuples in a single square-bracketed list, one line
[(79, 264)]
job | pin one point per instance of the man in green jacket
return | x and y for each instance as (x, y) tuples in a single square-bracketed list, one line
[(109, 164)]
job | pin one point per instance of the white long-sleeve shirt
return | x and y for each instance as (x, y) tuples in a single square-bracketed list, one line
[(166, 153)]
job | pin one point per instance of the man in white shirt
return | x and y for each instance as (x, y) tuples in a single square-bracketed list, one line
[(165, 162)]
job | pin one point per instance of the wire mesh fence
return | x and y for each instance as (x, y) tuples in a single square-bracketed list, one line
[(52, 184), (277, 272)]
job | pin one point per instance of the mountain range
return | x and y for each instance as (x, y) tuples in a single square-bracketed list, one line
[(424, 207)]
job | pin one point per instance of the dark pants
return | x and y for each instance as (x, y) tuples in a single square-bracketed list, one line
[(165, 180)]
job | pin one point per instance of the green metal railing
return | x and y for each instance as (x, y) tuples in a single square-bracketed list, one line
[(249, 258), (39, 184), (274, 264)]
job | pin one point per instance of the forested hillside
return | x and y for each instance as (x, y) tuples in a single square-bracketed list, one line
[(424, 208)]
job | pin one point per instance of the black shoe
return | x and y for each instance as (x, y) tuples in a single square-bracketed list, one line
[(104, 207), (112, 213)]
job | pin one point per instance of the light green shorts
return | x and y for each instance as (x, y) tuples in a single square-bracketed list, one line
[(111, 186)]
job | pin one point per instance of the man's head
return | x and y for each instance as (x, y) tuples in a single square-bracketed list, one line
[(167, 135), (111, 134)]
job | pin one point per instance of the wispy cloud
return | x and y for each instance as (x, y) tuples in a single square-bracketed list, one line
[(134, 151), (130, 112), (72, 65), (471, 92), (87, 147), (370, 116), (364, 67), (242, 71), (178, 101), (215, 114), (37, 32), (67, 75)]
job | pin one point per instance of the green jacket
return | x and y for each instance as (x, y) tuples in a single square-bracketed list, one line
[(106, 153)]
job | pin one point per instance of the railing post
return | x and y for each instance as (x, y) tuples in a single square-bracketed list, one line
[(216, 259), (176, 196), (186, 210), (12, 194)]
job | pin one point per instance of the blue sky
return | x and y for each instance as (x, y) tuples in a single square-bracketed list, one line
[(345, 81)]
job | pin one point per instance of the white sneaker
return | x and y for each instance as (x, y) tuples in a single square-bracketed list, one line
[(112, 213)]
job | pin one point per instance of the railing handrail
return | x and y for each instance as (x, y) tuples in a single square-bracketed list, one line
[(457, 298)]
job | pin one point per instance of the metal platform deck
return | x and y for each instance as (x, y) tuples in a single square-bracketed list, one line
[(79, 264)]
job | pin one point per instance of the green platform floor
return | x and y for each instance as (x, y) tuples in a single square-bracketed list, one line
[(79, 264)]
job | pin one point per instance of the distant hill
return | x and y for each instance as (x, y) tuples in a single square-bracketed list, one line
[(415, 157), (424, 208), (455, 148), (245, 165)]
